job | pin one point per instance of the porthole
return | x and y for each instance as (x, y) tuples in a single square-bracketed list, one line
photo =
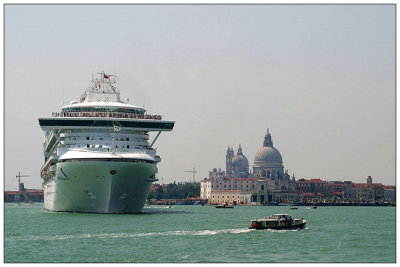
[(113, 172)]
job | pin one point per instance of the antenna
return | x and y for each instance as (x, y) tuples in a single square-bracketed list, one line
[(194, 173)]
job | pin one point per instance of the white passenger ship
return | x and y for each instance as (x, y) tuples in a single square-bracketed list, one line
[(98, 156)]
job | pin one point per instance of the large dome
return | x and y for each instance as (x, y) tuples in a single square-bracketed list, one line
[(268, 154)]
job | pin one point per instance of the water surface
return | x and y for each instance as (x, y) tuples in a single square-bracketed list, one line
[(198, 234)]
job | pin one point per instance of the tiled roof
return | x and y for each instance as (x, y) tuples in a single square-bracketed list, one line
[(338, 185), (35, 193), (366, 185), (389, 187), (14, 192), (229, 191), (315, 181)]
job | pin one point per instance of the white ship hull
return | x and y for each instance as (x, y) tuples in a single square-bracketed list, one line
[(98, 157), (89, 186)]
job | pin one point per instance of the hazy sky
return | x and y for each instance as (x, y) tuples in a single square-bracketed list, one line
[(320, 77)]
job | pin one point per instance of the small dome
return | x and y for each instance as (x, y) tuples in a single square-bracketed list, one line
[(240, 161), (268, 154)]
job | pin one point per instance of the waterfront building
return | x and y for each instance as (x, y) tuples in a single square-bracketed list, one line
[(268, 182), (389, 193), (311, 185), (369, 192), (231, 197), (363, 193), (14, 196), (341, 190), (27, 195), (210, 186)]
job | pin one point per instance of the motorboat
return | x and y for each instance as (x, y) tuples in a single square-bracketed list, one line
[(278, 222), (224, 206)]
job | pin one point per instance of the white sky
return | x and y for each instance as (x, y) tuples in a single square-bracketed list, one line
[(320, 77)]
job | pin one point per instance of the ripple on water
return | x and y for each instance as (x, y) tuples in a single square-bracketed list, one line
[(198, 234)]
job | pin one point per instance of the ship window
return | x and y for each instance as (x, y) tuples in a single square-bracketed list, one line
[(87, 145), (127, 146), (87, 137), (127, 139)]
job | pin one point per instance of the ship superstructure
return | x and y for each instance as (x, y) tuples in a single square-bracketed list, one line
[(98, 156)]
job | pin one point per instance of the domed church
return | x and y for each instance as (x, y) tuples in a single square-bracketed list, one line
[(268, 183), (268, 161), (237, 166)]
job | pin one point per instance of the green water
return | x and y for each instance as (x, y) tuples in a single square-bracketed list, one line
[(193, 234)]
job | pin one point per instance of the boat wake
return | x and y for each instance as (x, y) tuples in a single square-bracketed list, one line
[(128, 235)]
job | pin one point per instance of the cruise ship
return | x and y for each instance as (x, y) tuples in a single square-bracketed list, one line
[(98, 154)]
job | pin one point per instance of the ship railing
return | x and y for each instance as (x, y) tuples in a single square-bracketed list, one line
[(107, 115), (48, 139)]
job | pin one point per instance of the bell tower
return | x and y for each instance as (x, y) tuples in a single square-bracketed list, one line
[(229, 155)]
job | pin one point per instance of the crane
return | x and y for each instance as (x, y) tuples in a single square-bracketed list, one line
[(19, 179), (194, 173)]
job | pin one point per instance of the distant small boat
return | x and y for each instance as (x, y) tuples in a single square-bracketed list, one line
[(314, 207), (293, 208), (224, 206)]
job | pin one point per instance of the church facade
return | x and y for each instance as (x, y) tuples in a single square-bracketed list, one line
[(267, 183)]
